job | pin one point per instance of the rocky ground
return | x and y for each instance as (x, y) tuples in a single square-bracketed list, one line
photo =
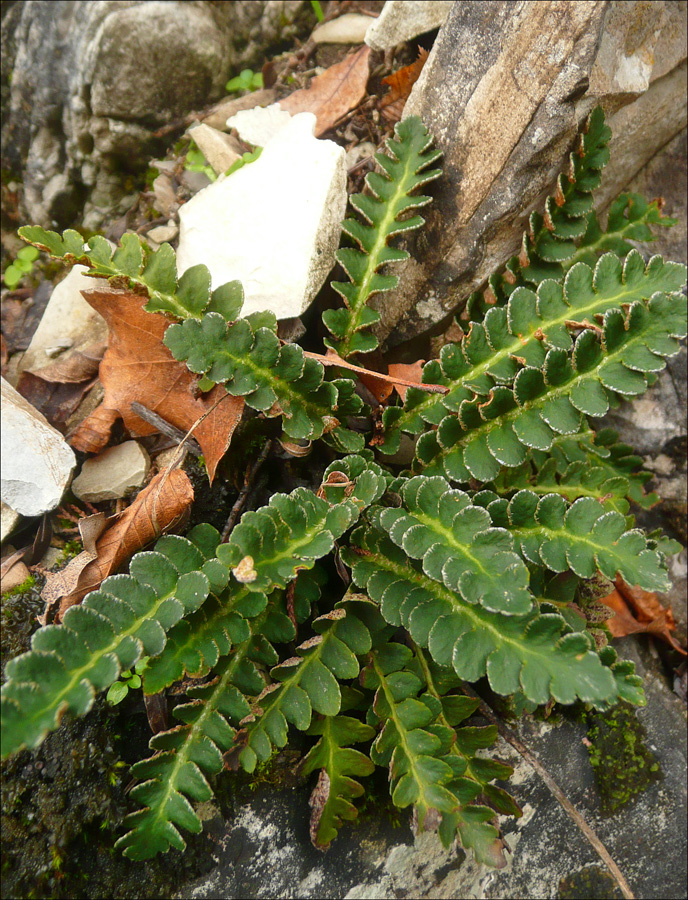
[(97, 100)]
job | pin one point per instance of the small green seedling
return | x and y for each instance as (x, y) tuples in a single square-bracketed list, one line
[(196, 162), (23, 265), (317, 9), (246, 80), (246, 158), (130, 681)]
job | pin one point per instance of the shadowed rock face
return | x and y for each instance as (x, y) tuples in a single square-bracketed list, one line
[(504, 91), (92, 81)]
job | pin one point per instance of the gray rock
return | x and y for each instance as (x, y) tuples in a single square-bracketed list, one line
[(37, 462), (264, 850), (112, 474), (92, 81), (402, 20), (504, 91)]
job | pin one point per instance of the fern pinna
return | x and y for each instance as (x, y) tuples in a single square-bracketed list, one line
[(463, 568)]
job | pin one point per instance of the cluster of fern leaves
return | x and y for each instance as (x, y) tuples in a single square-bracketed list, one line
[(466, 566)]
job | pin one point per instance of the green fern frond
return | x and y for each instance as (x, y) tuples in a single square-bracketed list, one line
[(384, 208), (552, 396), (125, 619), (535, 653), (305, 683), (152, 274), (187, 753), (331, 800), (495, 351), (273, 378), (581, 538)]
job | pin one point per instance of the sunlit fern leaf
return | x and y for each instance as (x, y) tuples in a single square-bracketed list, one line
[(519, 335)]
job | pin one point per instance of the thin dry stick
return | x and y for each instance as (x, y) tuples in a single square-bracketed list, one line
[(166, 428), (571, 811), (243, 493)]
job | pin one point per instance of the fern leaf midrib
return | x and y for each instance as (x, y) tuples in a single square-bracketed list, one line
[(78, 674), (424, 804), (373, 258), (598, 306)]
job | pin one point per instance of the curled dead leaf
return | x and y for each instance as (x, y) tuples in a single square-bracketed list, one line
[(159, 508)]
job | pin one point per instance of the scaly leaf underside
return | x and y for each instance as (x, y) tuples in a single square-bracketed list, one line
[(385, 209)]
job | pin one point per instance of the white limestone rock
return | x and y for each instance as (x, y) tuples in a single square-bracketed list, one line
[(112, 474), (67, 323), (259, 125), (350, 28), (37, 462), (8, 521), (273, 224), (403, 20)]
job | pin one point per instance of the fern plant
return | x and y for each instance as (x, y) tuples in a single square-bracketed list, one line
[(463, 568)]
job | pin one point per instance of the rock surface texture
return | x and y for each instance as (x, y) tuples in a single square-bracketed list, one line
[(273, 224), (112, 474), (92, 81), (37, 463), (402, 20), (504, 91)]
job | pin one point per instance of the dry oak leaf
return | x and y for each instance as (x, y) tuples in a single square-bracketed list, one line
[(160, 507), (138, 367), (333, 94), (639, 612)]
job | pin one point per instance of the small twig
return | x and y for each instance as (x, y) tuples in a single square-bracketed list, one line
[(554, 788), (163, 426), (249, 478)]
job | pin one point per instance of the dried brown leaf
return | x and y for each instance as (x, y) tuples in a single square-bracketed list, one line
[(639, 612), (333, 94), (138, 367), (159, 508)]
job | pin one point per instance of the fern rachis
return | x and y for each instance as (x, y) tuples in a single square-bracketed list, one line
[(456, 584)]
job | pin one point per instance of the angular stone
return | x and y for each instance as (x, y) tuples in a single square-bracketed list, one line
[(68, 322), (504, 91), (37, 462), (273, 224), (259, 125), (218, 148), (112, 474), (350, 28), (403, 20), (8, 521)]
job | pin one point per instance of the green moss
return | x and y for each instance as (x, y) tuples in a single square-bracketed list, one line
[(22, 588), (623, 765), (590, 883)]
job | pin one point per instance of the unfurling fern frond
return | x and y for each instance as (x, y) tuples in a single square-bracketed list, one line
[(384, 210)]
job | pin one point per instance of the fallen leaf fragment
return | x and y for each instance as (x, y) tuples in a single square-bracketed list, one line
[(333, 94), (159, 508), (379, 384), (138, 367), (405, 375), (639, 612), (400, 84)]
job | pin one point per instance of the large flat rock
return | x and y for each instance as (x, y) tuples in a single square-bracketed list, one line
[(504, 91)]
